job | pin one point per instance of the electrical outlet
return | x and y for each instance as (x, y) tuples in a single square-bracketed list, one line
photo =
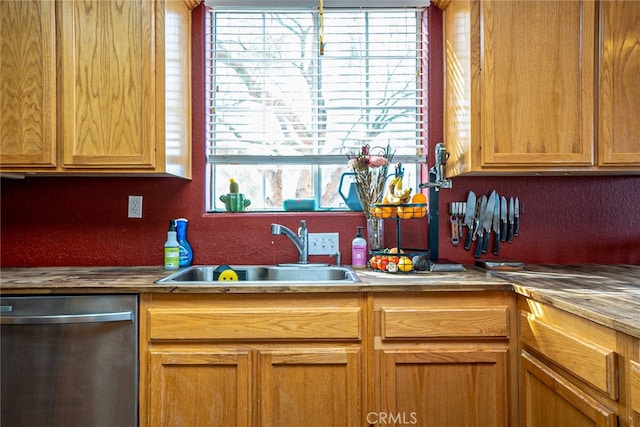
[(135, 206), (324, 243)]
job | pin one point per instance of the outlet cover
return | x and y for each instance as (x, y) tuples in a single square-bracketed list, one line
[(324, 243), (135, 207)]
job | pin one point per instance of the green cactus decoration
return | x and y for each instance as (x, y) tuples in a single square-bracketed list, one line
[(233, 186)]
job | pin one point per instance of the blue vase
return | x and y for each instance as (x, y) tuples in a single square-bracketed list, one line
[(186, 253)]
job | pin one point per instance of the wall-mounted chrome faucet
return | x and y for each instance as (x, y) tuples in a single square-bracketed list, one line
[(301, 240), (437, 178)]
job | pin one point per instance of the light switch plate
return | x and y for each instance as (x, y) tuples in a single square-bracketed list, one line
[(324, 243)]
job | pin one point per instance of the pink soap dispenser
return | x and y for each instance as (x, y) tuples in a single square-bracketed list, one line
[(359, 251)]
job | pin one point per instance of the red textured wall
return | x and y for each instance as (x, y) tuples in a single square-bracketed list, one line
[(83, 221)]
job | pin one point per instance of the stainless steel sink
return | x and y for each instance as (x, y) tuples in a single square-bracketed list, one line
[(261, 274)]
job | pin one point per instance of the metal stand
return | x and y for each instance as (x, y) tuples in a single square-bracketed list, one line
[(436, 181)]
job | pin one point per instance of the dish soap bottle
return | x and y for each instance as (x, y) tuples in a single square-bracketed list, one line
[(186, 253), (171, 248), (359, 251)]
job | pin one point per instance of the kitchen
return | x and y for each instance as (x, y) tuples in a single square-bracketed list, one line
[(81, 221)]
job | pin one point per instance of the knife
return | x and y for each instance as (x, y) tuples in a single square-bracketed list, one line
[(476, 217), (481, 205), (503, 218), (488, 220), (511, 220), (516, 226), (484, 223), (455, 224), (496, 224), (469, 216)]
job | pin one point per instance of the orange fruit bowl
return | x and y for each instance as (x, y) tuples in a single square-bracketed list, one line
[(404, 211), (396, 260)]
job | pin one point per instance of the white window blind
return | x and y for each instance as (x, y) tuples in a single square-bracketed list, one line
[(275, 101)]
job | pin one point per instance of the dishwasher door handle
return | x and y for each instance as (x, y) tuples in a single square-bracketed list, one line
[(58, 319)]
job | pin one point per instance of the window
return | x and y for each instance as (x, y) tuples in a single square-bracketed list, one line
[(283, 115)]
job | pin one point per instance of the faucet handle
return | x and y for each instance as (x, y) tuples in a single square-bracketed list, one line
[(303, 228)]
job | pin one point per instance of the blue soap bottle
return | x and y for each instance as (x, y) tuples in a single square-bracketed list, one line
[(186, 253)]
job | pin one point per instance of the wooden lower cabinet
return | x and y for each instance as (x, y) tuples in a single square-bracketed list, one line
[(252, 360), (199, 388), (294, 387), (548, 399), (444, 387), (443, 359), (430, 359), (634, 374), (310, 387), (572, 370)]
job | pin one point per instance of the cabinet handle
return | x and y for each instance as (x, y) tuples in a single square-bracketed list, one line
[(122, 316)]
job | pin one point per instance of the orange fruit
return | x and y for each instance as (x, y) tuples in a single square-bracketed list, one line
[(404, 212), (386, 212), (419, 212), (419, 198)]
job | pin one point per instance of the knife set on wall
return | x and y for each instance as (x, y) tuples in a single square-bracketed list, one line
[(485, 217)]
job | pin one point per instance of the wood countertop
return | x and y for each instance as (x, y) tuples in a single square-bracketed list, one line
[(606, 294)]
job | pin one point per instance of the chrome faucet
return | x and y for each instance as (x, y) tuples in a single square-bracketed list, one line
[(301, 240)]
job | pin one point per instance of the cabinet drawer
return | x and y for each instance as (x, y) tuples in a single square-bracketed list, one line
[(587, 360), (635, 388), (398, 323), (338, 323)]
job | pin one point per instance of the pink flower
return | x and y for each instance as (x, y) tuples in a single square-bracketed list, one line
[(377, 161)]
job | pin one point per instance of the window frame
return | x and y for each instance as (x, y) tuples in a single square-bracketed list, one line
[(421, 170)]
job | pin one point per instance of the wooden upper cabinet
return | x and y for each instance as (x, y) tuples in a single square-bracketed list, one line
[(521, 92), (108, 93), (619, 84), (27, 83), (519, 85), (120, 101), (536, 83)]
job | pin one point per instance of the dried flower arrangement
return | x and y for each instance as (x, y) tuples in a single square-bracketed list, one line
[(370, 167)]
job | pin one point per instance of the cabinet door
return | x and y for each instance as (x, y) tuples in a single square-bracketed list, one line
[(547, 399), (635, 392), (536, 77), (619, 96), (445, 388), (199, 389), (27, 83), (108, 85), (310, 387)]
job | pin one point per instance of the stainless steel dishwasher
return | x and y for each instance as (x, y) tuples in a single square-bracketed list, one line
[(69, 361)]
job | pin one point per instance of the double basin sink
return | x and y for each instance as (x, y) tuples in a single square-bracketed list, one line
[(261, 274)]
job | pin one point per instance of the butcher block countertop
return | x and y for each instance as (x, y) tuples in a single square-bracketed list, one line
[(606, 294)]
